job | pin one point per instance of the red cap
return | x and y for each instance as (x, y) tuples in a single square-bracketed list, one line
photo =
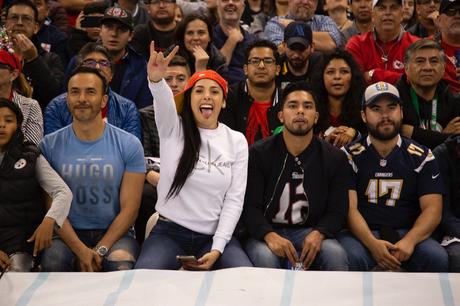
[(10, 59), (207, 74)]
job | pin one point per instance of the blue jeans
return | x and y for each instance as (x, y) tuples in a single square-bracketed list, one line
[(168, 239), (59, 257), (428, 255), (331, 257), (453, 250)]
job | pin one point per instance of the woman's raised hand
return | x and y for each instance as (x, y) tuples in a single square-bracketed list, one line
[(157, 65), (201, 58)]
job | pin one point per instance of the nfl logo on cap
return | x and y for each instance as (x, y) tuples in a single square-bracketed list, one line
[(378, 90)]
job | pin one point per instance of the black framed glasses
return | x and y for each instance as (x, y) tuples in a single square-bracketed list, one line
[(164, 1), (5, 66), (266, 60), (15, 18), (93, 63)]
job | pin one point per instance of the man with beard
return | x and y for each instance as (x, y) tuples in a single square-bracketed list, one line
[(230, 38), (380, 52), (395, 194), (427, 12), (252, 105), (431, 110), (160, 28), (326, 35), (105, 169), (449, 38), (300, 58), (362, 13), (296, 196)]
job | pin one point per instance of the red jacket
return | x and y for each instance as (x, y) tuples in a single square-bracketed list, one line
[(450, 75), (369, 55)]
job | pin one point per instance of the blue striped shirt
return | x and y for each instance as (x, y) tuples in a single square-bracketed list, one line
[(274, 30)]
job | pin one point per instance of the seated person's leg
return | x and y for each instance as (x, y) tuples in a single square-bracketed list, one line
[(359, 257), (428, 256), (21, 262), (58, 258), (261, 255), (233, 256), (159, 250), (331, 257), (122, 255), (453, 250)]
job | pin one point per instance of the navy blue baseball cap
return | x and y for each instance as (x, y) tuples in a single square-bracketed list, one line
[(298, 32)]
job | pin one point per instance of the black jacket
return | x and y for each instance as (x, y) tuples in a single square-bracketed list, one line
[(448, 108), (235, 114), (448, 158), (326, 184), (150, 138), (21, 204), (46, 75)]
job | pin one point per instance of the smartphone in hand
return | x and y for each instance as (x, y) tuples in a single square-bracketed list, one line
[(187, 259)]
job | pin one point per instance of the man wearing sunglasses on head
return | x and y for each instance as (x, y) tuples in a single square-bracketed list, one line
[(448, 23), (300, 58), (119, 111)]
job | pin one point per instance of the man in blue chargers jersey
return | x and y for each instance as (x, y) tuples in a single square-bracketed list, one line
[(395, 195)]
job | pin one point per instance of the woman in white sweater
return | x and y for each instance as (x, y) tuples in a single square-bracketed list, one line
[(203, 175)]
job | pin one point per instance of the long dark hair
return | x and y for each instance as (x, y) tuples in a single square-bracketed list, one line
[(182, 26), (191, 151), (351, 109)]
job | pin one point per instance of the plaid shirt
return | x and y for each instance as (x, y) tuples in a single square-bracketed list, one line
[(274, 31)]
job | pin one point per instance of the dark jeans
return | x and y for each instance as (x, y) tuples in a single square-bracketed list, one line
[(168, 239), (59, 257), (428, 255), (331, 257), (453, 250)]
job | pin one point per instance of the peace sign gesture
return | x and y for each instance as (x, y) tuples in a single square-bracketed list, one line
[(156, 67)]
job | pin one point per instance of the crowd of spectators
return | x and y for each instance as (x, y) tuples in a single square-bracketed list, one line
[(302, 134)]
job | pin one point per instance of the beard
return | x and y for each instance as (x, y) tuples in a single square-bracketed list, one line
[(164, 20), (297, 63), (375, 132), (262, 83), (299, 131)]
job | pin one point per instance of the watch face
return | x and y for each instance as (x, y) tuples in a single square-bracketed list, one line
[(102, 250)]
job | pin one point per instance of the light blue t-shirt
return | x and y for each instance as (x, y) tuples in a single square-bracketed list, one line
[(93, 170)]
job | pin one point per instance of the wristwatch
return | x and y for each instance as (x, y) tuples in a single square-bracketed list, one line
[(101, 250)]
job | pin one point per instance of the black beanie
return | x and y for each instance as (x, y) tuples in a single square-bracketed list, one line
[(14, 107)]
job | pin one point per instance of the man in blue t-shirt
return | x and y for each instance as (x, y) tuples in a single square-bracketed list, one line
[(395, 195), (105, 169)]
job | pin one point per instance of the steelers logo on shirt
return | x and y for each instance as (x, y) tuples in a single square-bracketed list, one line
[(20, 164)]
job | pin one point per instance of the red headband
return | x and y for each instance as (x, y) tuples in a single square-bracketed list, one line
[(10, 59), (207, 74)]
